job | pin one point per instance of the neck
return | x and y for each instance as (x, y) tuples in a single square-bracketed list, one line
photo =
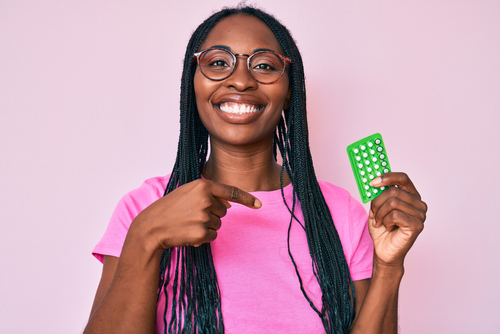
[(248, 168)]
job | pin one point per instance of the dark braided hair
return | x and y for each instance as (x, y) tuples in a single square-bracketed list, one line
[(195, 301)]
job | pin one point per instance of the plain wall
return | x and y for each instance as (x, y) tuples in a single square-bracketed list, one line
[(89, 94)]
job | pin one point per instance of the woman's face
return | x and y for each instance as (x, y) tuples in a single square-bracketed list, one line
[(218, 100)]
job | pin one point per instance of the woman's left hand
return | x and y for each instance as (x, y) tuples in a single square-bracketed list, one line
[(396, 218)]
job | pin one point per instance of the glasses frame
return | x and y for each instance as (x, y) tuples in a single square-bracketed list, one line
[(286, 61)]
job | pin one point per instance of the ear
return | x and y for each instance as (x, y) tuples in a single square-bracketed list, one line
[(286, 105)]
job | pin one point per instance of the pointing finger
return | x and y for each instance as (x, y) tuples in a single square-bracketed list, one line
[(234, 194)]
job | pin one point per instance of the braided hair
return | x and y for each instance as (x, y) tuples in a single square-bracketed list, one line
[(195, 300)]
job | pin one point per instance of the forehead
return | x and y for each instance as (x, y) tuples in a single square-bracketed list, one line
[(242, 34)]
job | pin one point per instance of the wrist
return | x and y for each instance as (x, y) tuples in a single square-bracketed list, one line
[(140, 241), (386, 270)]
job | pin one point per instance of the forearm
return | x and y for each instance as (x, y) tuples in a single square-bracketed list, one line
[(379, 311), (129, 304)]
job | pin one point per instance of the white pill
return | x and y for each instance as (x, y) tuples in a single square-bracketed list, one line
[(377, 141), (372, 177), (380, 149), (369, 169), (367, 162), (384, 163), (378, 173), (372, 152), (363, 147), (369, 194), (375, 191), (362, 172), (386, 170), (367, 187), (382, 188), (370, 144), (360, 165), (382, 156), (365, 155), (374, 159), (364, 180), (356, 151), (358, 158), (376, 166)]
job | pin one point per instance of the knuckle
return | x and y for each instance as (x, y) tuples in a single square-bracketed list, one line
[(393, 202), (425, 206), (233, 193), (398, 216), (392, 191), (202, 216)]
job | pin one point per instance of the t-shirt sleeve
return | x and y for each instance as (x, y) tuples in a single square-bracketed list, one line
[(361, 259), (125, 212)]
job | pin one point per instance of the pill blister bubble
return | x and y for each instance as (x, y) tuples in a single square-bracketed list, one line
[(365, 155), (362, 173), (360, 165), (377, 141), (374, 159), (378, 173), (369, 194), (372, 152), (363, 147), (358, 158), (364, 180), (356, 151), (367, 187), (369, 169), (375, 191), (372, 177), (386, 170), (382, 188), (367, 162), (382, 156), (376, 166), (370, 144), (384, 163), (380, 149)]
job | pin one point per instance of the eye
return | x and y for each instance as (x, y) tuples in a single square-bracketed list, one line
[(218, 63), (264, 67)]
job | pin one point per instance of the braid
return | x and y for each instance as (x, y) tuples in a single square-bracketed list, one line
[(195, 300)]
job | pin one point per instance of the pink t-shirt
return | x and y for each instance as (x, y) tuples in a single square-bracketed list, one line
[(259, 288)]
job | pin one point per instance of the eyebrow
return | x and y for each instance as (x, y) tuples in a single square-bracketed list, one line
[(225, 47)]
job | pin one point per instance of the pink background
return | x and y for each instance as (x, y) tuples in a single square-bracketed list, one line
[(89, 98)]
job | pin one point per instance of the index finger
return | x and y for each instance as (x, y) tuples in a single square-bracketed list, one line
[(396, 179), (234, 194)]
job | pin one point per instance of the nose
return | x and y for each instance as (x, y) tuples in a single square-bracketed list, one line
[(241, 79)]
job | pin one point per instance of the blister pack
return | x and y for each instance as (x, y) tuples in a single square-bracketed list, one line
[(368, 158)]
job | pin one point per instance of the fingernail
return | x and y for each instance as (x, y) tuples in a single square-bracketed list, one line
[(257, 204), (376, 182)]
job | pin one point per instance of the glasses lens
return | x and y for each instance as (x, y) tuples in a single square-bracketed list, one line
[(266, 67), (216, 64)]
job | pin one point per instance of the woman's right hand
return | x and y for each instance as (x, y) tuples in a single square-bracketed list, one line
[(190, 215)]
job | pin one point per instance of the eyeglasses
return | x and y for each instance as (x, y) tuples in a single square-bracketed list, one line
[(265, 67)]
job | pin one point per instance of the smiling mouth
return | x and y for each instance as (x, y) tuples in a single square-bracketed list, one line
[(238, 108)]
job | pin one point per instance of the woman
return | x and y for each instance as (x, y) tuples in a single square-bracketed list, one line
[(293, 254)]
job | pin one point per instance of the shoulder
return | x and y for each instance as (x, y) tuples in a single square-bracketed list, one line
[(331, 190), (345, 209), (338, 198), (149, 191)]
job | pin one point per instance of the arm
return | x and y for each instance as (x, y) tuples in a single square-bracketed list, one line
[(396, 219), (125, 301)]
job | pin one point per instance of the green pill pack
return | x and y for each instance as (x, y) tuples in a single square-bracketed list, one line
[(368, 158)]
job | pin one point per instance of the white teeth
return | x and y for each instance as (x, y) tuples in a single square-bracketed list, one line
[(238, 108)]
